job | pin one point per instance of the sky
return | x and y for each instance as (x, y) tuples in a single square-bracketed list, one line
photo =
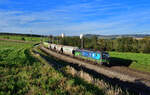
[(75, 17)]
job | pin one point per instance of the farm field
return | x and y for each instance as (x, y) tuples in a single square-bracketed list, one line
[(21, 74), (137, 61), (23, 38)]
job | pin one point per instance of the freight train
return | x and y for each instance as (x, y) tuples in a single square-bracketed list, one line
[(94, 56)]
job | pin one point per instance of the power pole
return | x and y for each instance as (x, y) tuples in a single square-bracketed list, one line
[(31, 35), (57, 39)]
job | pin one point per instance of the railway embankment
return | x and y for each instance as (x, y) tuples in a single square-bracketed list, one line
[(131, 81)]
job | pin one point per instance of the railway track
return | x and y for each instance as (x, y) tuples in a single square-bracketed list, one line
[(137, 80)]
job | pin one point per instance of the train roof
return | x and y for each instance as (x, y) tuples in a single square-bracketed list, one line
[(91, 51)]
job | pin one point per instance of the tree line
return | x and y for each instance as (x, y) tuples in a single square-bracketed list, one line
[(19, 34), (125, 44)]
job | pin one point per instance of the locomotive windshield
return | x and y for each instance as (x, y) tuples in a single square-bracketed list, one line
[(105, 55)]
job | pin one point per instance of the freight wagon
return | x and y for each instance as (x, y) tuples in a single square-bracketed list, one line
[(69, 50), (59, 48), (53, 46), (46, 44)]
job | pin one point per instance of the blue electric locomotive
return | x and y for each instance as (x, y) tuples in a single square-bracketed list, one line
[(98, 57)]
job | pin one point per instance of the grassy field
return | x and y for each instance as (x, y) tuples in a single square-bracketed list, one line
[(21, 74), (24, 38), (137, 61)]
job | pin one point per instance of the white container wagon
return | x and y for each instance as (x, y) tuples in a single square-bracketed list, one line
[(46, 44), (69, 50), (53, 46), (59, 48)]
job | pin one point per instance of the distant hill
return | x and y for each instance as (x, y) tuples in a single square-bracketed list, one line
[(117, 36)]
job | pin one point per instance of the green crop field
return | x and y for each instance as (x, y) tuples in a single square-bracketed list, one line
[(137, 61), (21, 74), (24, 38)]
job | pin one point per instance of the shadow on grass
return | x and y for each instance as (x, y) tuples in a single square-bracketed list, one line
[(120, 62)]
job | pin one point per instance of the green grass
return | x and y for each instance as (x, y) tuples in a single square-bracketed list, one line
[(21, 74), (25, 38), (138, 61)]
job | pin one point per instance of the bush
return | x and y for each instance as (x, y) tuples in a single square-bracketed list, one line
[(23, 39)]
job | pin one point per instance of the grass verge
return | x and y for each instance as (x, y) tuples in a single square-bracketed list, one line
[(137, 61)]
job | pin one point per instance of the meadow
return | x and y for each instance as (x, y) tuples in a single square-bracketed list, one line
[(23, 38), (23, 74), (139, 61)]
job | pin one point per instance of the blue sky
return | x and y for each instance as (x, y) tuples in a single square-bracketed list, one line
[(73, 17)]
